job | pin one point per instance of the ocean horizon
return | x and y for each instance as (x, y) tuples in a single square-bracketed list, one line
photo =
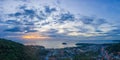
[(69, 43)]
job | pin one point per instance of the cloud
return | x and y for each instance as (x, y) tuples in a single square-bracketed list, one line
[(52, 21), (49, 10), (66, 16), (20, 29), (16, 29), (106, 27)]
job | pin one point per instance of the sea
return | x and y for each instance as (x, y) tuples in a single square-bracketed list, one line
[(68, 43)]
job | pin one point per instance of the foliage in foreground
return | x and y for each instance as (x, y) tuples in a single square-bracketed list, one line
[(10, 50)]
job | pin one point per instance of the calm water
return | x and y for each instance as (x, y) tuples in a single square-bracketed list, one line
[(70, 43)]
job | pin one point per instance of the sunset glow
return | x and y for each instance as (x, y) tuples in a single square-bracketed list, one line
[(33, 36)]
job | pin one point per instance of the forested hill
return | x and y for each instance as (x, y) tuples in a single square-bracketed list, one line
[(10, 50)]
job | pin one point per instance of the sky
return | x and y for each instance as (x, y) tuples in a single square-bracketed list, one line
[(34, 20)]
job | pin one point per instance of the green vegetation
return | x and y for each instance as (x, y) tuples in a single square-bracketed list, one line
[(39, 52), (10, 50), (114, 48), (86, 56), (82, 45)]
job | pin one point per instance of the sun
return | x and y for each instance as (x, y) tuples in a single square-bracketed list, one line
[(31, 37), (34, 36)]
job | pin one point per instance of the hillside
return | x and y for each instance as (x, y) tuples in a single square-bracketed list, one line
[(114, 48), (10, 50)]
